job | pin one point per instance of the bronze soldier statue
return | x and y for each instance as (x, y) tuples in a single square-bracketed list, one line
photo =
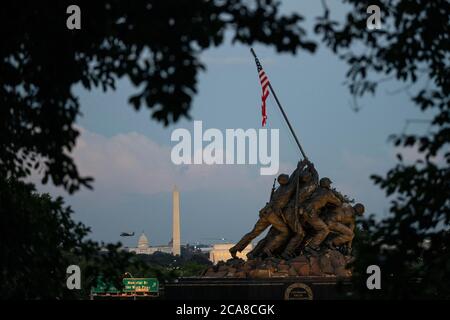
[(341, 220), (310, 210), (308, 183), (271, 215)]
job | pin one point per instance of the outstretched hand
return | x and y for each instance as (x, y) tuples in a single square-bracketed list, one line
[(305, 162), (301, 163)]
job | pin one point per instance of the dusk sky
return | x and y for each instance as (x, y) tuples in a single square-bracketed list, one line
[(128, 154)]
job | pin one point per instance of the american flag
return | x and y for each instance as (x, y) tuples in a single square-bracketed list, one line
[(265, 90)]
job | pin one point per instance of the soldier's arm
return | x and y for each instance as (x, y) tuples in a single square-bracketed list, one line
[(306, 171), (313, 171), (306, 192), (334, 200), (298, 171)]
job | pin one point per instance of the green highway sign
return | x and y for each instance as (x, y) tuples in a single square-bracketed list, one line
[(141, 285)]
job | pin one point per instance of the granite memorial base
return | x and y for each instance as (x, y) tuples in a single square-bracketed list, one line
[(294, 288)]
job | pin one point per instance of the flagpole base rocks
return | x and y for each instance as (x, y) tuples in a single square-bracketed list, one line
[(327, 263)]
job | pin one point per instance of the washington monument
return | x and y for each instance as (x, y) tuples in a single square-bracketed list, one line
[(176, 222)]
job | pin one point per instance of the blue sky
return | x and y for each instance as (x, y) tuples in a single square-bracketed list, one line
[(129, 155)]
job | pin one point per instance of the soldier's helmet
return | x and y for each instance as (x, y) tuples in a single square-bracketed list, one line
[(325, 182), (359, 209), (283, 179)]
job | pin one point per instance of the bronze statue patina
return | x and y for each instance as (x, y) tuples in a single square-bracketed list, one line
[(311, 231), (341, 220), (271, 214)]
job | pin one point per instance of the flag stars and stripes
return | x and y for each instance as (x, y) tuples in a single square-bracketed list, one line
[(264, 80)]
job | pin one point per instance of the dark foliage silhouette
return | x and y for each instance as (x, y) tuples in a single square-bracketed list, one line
[(411, 245), (156, 44), (38, 241)]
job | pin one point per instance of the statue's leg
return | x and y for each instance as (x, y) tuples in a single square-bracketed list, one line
[(345, 234), (321, 229), (258, 249), (259, 227), (278, 223), (294, 242)]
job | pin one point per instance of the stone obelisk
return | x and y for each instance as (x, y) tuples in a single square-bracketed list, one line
[(176, 250)]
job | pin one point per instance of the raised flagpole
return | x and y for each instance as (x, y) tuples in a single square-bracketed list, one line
[(282, 110)]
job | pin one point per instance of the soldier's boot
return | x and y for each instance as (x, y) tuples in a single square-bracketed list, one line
[(268, 252), (287, 256), (250, 256), (259, 227), (293, 244), (233, 251)]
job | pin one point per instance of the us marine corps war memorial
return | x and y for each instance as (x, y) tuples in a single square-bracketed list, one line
[(306, 251)]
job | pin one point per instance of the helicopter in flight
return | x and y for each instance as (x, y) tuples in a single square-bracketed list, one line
[(127, 234)]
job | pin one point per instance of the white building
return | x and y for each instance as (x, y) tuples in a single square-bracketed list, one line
[(143, 247), (220, 252)]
